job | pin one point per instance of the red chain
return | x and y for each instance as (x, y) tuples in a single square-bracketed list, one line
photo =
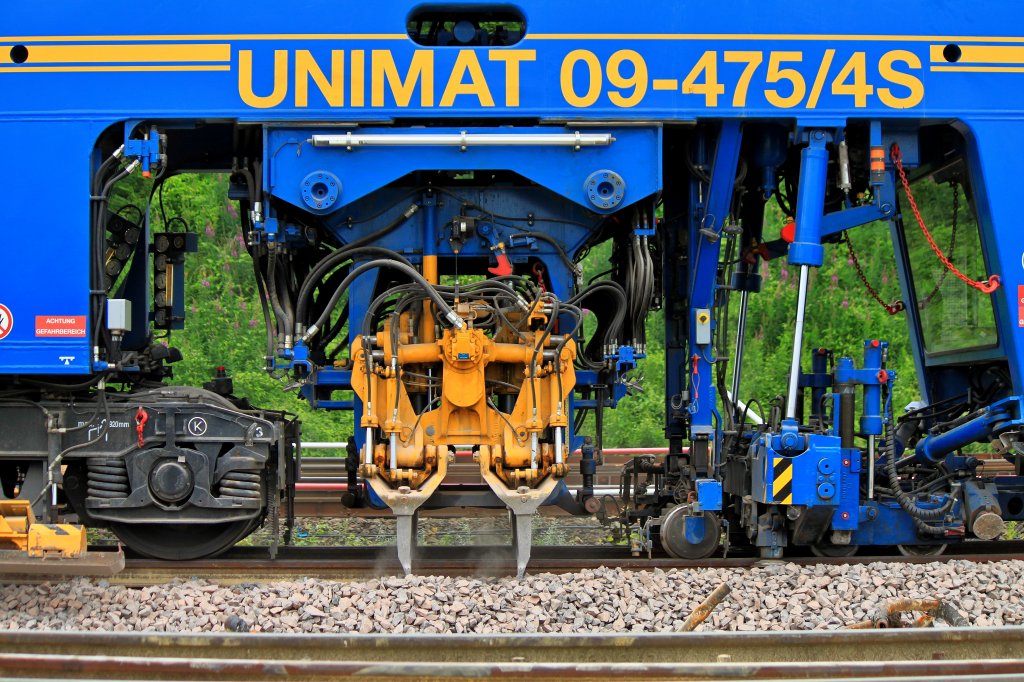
[(893, 308), (984, 286)]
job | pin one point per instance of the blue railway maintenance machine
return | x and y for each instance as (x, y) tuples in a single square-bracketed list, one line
[(417, 187)]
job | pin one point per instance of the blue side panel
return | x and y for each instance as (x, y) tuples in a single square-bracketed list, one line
[(887, 524), (45, 271), (649, 63), (998, 211)]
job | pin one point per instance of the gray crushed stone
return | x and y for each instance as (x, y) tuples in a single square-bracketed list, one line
[(774, 597)]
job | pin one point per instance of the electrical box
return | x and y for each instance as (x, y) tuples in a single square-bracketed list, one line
[(119, 315), (702, 326)]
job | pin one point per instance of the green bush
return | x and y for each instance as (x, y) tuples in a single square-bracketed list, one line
[(225, 324)]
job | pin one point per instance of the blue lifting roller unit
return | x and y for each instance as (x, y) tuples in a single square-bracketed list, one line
[(416, 186)]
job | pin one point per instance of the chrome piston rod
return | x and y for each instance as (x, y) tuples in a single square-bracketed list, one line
[(737, 365), (798, 345)]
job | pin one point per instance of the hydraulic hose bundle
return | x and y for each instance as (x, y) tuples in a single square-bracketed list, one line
[(918, 515)]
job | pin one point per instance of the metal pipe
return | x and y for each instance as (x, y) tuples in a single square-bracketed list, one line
[(464, 139), (847, 404), (533, 450), (737, 365), (798, 343), (740, 408), (935, 448), (871, 467), (558, 445), (368, 456), (394, 452)]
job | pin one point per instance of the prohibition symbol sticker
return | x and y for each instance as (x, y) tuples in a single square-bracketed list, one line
[(6, 321)]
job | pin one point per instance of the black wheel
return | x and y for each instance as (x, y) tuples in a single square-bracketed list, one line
[(181, 541), (828, 550), (674, 540), (921, 550)]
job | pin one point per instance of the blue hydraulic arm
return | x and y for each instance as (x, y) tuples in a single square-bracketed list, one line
[(706, 231), (806, 250)]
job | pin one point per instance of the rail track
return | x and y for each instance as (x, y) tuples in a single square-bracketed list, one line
[(934, 654), (252, 564), (321, 480)]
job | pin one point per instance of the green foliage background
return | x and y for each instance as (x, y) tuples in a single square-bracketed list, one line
[(225, 327)]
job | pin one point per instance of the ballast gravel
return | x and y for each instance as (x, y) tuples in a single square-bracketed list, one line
[(772, 597)]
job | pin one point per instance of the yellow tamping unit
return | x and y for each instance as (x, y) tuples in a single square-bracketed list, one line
[(20, 531)]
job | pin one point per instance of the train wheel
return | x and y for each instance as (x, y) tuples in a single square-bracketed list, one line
[(921, 550), (828, 550), (181, 541), (692, 543)]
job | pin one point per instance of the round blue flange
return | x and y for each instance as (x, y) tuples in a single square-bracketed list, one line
[(605, 189), (320, 190)]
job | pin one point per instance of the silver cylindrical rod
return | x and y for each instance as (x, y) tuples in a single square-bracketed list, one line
[(368, 456), (737, 363), (558, 445), (533, 450), (394, 452), (798, 345), (871, 467), (464, 139)]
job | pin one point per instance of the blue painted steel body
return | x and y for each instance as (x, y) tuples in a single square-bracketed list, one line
[(806, 248), (815, 474), (638, 76), (706, 232), (872, 377), (56, 109), (885, 523), (709, 495)]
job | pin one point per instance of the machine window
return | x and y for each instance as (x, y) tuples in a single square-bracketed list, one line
[(954, 316)]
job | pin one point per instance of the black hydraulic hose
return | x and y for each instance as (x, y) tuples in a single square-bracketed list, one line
[(332, 332), (285, 291), (261, 287), (99, 201), (335, 258), (275, 302), (382, 263), (394, 224), (265, 308), (330, 262), (613, 329), (328, 284), (573, 268), (907, 502), (371, 311)]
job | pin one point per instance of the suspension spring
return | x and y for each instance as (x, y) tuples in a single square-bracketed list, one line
[(108, 478), (244, 485)]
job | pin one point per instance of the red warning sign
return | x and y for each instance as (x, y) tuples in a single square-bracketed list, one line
[(6, 321), (60, 325), (1020, 305)]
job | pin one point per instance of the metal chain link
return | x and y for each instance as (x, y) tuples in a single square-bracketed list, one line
[(893, 308), (986, 286)]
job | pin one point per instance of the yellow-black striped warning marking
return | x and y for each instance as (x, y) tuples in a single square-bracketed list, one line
[(782, 484)]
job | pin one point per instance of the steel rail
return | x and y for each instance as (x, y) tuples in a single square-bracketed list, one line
[(321, 480), (252, 564), (934, 653)]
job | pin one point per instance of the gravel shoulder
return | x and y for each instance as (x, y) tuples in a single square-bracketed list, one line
[(776, 597)]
